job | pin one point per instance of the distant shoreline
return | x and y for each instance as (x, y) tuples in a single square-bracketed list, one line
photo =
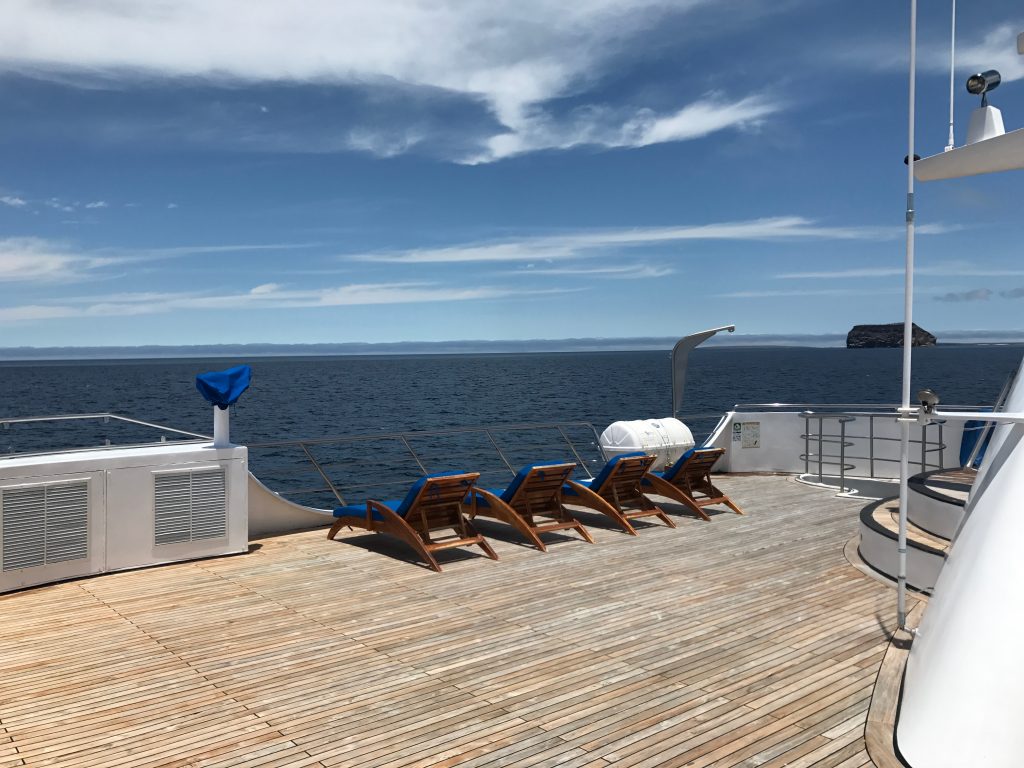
[(462, 347)]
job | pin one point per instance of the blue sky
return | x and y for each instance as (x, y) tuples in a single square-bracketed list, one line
[(214, 171)]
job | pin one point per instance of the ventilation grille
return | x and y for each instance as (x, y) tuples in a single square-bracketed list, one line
[(44, 524), (189, 505)]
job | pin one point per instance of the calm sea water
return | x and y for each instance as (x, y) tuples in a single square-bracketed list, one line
[(308, 397)]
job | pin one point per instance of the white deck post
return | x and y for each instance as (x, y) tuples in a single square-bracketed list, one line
[(221, 427), (908, 338)]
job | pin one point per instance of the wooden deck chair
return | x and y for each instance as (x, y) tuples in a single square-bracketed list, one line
[(532, 503), (617, 486), (433, 503), (688, 482)]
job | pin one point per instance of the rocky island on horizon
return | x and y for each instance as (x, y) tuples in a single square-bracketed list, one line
[(886, 335)]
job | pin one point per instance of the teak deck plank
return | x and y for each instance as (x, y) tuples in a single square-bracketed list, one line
[(746, 641)]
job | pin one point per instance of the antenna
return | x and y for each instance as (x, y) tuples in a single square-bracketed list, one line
[(952, 64)]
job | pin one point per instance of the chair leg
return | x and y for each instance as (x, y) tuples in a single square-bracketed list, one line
[(583, 532), (422, 548), (338, 525), (727, 501), (665, 518), (502, 511), (650, 507), (484, 545), (664, 488), (592, 501), (400, 529)]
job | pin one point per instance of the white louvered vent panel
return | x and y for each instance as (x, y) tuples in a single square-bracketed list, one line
[(189, 505), (209, 504), (67, 522), (24, 518), (172, 507), (45, 524)]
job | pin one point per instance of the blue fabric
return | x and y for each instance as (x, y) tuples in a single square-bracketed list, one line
[(602, 476), (223, 388), (517, 481), (670, 473), (973, 431), (399, 506), (359, 510)]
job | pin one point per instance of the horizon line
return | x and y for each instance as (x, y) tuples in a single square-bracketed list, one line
[(26, 353)]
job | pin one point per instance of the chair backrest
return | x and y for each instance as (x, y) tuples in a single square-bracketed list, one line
[(441, 489), (624, 468), (538, 485), (695, 462)]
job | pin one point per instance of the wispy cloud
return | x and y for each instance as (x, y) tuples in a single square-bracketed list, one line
[(266, 296), (976, 294), (1013, 293), (97, 204), (995, 49), (582, 243), (13, 202), (611, 129), (28, 259), (626, 272), (759, 294), (58, 205), (24, 259), (948, 269), (515, 57)]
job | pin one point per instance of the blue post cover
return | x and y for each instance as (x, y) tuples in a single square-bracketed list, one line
[(223, 388)]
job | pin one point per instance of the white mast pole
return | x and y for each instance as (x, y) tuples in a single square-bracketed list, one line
[(952, 65), (908, 335)]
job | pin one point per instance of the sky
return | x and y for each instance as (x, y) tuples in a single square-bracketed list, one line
[(219, 171)]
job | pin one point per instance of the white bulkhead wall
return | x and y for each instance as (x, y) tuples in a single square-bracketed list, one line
[(962, 694)]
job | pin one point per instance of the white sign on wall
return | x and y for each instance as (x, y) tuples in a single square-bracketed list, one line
[(750, 434)]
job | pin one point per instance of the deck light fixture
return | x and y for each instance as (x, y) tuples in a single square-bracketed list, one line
[(983, 82), (928, 399)]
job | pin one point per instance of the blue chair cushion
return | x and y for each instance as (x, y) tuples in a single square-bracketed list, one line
[(670, 473), (410, 497), (399, 506), (507, 494), (602, 476), (359, 510)]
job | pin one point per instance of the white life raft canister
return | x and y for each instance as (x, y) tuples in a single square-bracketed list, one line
[(668, 439)]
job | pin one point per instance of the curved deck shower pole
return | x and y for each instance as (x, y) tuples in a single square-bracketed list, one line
[(907, 415), (680, 357)]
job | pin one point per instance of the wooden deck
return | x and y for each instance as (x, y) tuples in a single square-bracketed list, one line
[(742, 641)]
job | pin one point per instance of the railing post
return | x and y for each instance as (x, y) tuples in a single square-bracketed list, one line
[(821, 428), (807, 444), (871, 445), (842, 455), (572, 447), (942, 448), (412, 453), (502, 455), (924, 447), (316, 465)]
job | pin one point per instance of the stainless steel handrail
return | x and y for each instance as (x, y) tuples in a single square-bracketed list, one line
[(845, 407), (829, 459), (426, 433), (407, 439), (7, 422)]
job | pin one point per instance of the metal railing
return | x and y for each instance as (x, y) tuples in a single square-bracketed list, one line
[(310, 470), (846, 462), (80, 423)]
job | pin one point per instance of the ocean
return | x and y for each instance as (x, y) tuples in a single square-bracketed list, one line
[(303, 397)]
